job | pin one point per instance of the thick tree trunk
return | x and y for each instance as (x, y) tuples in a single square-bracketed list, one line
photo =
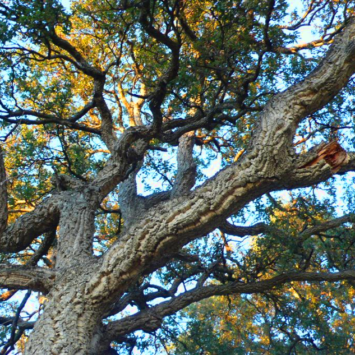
[(69, 324)]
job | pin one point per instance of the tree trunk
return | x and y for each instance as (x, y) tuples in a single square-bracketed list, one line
[(70, 324)]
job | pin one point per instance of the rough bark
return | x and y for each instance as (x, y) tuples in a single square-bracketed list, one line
[(25, 278), (3, 194), (69, 323), (186, 174), (76, 230), (44, 218)]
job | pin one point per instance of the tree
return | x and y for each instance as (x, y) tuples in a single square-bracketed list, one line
[(96, 97)]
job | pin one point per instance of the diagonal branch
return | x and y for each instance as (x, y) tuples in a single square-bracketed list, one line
[(81, 62), (19, 235), (269, 166), (242, 231), (44, 218), (310, 95), (324, 226), (99, 76), (172, 224), (26, 278), (151, 319)]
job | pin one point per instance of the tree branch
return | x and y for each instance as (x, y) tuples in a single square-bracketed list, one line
[(157, 97), (26, 278), (107, 132), (44, 218), (185, 178), (172, 224), (151, 319), (129, 149), (131, 205), (20, 234), (324, 226), (6, 321), (48, 119), (242, 231), (3, 194), (82, 64), (318, 88)]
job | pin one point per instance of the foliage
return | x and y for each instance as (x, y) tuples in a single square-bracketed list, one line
[(297, 318)]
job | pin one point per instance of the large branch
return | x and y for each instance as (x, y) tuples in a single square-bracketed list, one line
[(19, 235), (107, 132), (151, 319), (172, 224), (285, 111), (269, 166), (26, 278), (44, 218)]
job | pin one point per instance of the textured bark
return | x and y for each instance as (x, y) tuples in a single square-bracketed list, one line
[(176, 222), (186, 174), (69, 323), (132, 206), (3, 194), (76, 230), (24, 278), (44, 218), (84, 289)]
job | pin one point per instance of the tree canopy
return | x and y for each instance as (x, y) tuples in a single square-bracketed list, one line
[(176, 176)]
